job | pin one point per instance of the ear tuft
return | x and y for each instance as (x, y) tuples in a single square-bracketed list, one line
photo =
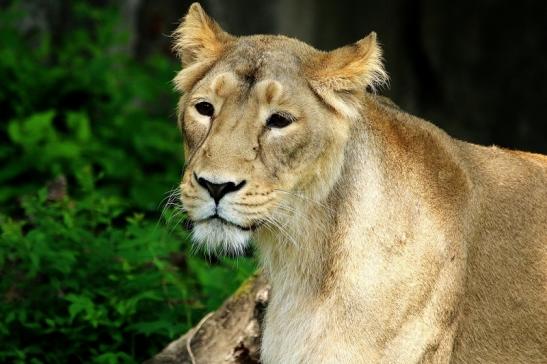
[(374, 74), (199, 38)]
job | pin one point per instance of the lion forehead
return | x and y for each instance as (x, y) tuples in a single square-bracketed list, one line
[(255, 58)]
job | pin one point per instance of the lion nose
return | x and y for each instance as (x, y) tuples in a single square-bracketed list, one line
[(218, 190)]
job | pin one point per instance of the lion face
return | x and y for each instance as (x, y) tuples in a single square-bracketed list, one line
[(255, 137), (262, 125)]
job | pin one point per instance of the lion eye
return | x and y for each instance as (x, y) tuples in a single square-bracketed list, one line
[(278, 121), (205, 108)]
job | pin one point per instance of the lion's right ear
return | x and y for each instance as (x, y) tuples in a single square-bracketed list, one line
[(199, 38), (337, 74)]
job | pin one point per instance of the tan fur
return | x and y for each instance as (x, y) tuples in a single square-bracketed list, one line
[(385, 240)]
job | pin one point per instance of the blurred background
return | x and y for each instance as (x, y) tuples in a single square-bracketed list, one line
[(95, 265)]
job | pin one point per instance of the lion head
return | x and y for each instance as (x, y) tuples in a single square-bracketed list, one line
[(265, 118)]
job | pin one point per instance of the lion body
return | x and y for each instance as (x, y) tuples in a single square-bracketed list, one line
[(385, 240), (439, 255)]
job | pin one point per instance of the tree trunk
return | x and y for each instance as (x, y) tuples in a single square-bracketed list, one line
[(230, 335)]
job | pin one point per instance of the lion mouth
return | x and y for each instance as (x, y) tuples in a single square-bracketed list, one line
[(222, 220)]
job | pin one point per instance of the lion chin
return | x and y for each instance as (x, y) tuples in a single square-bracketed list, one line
[(219, 237)]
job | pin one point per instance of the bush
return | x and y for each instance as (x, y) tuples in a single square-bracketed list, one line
[(83, 104), (83, 280), (92, 274)]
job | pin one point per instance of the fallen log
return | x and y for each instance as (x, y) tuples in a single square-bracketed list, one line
[(230, 335)]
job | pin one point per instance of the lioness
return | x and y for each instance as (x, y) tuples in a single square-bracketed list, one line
[(385, 240)]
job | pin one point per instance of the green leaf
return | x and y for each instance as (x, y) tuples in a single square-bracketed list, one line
[(32, 130), (78, 123), (79, 305)]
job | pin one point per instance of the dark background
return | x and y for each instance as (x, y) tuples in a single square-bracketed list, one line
[(478, 69)]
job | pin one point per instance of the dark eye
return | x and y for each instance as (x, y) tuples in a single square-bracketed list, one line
[(205, 108), (279, 121)]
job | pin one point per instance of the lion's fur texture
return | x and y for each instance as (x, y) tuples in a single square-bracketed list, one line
[(385, 240)]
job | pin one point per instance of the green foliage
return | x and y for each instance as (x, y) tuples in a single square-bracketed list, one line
[(93, 275), (83, 280), (82, 103)]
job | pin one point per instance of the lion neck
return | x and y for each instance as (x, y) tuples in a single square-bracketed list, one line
[(307, 253), (296, 255)]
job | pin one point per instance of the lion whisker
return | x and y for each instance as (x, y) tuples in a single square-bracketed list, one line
[(281, 229), (306, 199)]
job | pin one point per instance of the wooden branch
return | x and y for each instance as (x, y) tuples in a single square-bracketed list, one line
[(230, 335)]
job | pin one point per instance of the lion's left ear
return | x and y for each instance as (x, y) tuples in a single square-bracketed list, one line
[(199, 38), (337, 74)]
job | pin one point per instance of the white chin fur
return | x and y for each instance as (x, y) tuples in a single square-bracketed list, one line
[(218, 237)]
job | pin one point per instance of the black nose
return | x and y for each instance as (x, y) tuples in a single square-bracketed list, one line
[(218, 190)]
